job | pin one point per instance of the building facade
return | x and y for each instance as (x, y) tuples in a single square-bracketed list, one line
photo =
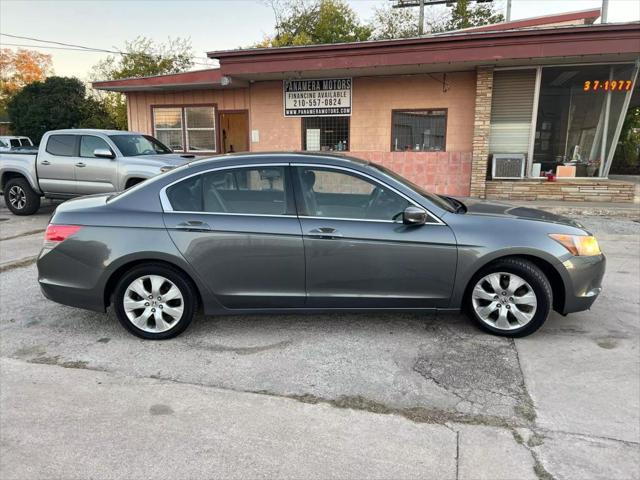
[(482, 112)]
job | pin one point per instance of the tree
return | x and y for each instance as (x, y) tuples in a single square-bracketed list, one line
[(626, 159), (141, 57), (19, 68), (467, 13), (57, 102), (307, 22), (389, 23)]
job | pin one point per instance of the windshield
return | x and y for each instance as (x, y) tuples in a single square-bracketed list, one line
[(439, 201), (135, 145)]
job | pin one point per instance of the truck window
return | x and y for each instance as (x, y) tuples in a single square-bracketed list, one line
[(89, 143), (15, 142), (62, 145)]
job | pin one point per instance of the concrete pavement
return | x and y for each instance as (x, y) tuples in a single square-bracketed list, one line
[(323, 396)]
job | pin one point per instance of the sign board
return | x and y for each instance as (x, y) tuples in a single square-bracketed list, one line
[(325, 97)]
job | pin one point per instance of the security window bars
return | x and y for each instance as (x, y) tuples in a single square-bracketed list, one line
[(201, 129), (167, 124), (186, 129), (418, 130), (325, 134)]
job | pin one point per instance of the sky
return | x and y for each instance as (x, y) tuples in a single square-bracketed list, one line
[(210, 24)]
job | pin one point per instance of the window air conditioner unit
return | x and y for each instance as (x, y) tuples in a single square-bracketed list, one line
[(508, 165)]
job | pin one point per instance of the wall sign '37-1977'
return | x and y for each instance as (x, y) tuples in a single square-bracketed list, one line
[(324, 97)]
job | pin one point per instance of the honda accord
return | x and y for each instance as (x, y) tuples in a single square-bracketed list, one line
[(294, 232)]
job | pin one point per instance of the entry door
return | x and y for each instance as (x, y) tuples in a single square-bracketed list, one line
[(234, 127), (95, 174), (357, 256), (238, 229), (56, 165)]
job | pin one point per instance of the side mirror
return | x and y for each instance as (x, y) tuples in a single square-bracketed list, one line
[(103, 153), (414, 216)]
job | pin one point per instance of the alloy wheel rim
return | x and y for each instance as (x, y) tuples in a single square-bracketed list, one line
[(17, 197), (504, 301), (153, 303)]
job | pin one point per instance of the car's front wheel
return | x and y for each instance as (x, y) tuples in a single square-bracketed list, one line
[(155, 301), (511, 297), (20, 197)]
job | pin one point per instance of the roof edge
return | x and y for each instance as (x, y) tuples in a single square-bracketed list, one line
[(460, 35)]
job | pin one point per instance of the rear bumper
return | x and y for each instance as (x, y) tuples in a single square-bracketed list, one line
[(584, 282), (69, 281), (73, 297)]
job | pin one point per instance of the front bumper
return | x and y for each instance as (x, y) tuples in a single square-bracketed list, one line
[(583, 282)]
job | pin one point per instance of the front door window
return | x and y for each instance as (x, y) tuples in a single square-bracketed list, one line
[(337, 194)]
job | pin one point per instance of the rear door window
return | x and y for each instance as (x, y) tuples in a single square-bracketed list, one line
[(62, 145), (256, 191), (249, 191), (186, 196)]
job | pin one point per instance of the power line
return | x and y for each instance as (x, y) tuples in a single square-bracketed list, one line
[(76, 47), (48, 47)]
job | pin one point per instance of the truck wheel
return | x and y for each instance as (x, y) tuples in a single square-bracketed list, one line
[(20, 197)]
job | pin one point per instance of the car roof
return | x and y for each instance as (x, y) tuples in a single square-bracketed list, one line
[(293, 156), (94, 130)]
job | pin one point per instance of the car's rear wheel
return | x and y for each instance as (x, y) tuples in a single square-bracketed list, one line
[(511, 297), (20, 197), (155, 301)]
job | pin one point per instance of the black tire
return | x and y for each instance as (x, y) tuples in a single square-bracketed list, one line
[(20, 197), (539, 283), (179, 279)]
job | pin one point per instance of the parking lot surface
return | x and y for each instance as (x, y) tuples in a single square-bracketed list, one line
[(318, 396)]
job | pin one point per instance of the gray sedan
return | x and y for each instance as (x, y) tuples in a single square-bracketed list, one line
[(279, 232)]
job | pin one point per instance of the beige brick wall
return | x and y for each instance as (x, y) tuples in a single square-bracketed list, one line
[(481, 128), (375, 97), (277, 133), (565, 190)]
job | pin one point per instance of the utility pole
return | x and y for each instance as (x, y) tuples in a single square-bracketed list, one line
[(508, 16), (422, 3), (604, 13)]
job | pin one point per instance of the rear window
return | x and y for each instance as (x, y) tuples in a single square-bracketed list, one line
[(62, 145), (186, 196)]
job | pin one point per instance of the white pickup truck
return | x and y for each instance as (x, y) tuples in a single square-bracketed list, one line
[(70, 163)]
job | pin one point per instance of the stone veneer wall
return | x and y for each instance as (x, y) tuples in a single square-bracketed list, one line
[(437, 172), (567, 190), (481, 130)]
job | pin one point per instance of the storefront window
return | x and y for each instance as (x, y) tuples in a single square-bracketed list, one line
[(190, 126), (579, 109), (419, 130), (325, 134)]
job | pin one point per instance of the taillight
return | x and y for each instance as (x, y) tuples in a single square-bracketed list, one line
[(58, 233)]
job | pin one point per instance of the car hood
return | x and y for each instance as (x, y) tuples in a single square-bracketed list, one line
[(173, 159), (499, 209)]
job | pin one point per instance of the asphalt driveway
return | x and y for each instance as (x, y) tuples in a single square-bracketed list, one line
[(322, 396)]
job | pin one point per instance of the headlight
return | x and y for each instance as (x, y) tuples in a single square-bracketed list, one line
[(578, 245), (166, 168)]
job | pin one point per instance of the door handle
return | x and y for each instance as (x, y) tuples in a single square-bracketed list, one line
[(194, 226), (45, 162), (324, 232), (81, 164)]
